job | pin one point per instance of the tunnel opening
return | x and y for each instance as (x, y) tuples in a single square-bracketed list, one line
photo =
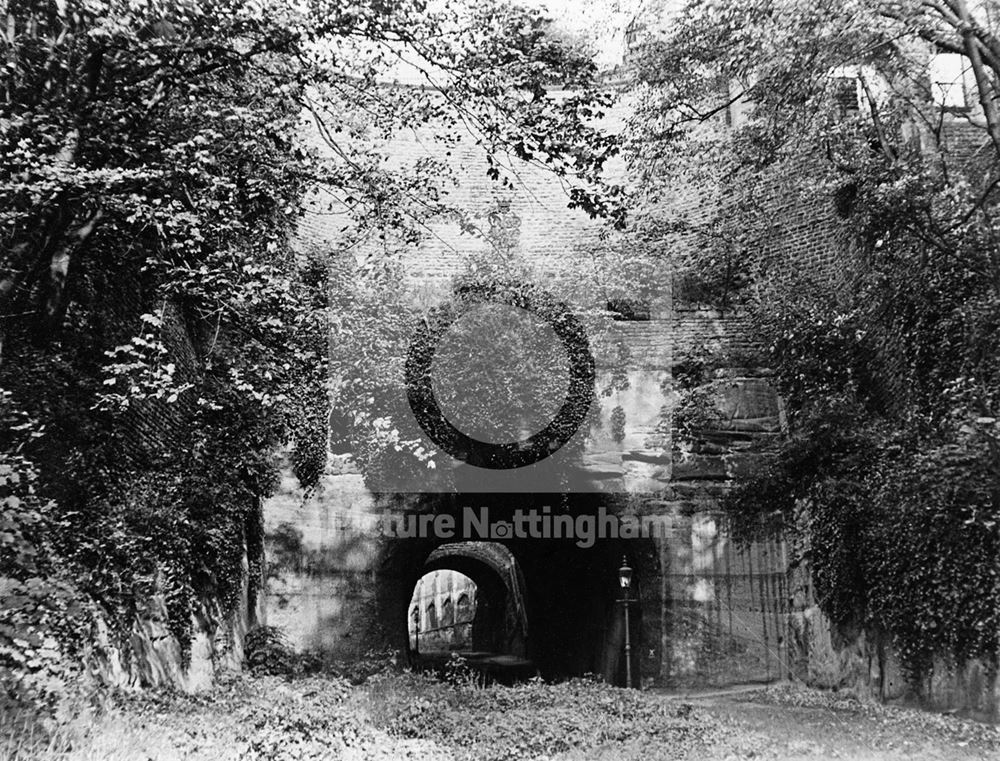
[(443, 613), (548, 606), (469, 602)]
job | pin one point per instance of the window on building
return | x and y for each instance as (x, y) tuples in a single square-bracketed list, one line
[(740, 105), (846, 92), (856, 88), (447, 613), (949, 81), (463, 610)]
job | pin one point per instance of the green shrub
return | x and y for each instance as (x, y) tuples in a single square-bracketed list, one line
[(43, 622), (496, 723)]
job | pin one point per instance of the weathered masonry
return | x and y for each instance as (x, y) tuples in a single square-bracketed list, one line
[(705, 612)]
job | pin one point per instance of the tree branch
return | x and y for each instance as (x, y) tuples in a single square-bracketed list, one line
[(54, 306), (883, 139), (983, 85)]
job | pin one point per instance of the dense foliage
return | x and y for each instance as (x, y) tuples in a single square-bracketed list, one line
[(499, 373), (390, 715), (885, 343), (160, 333), (395, 715)]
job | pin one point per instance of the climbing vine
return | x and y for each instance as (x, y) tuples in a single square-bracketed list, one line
[(882, 335), (164, 324)]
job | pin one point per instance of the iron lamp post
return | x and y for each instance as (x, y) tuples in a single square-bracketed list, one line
[(625, 581)]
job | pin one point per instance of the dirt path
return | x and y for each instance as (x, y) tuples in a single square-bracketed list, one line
[(789, 724)]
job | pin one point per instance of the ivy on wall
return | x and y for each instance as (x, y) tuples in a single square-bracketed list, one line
[(162, 330), (866, 251)]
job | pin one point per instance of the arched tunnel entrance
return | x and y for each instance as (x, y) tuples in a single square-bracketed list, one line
[(704, 613), (545, 606), (470, 601)]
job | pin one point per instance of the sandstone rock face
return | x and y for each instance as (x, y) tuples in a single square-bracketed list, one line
[(152, 656)]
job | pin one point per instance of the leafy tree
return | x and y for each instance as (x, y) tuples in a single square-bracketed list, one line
[(160, 330)]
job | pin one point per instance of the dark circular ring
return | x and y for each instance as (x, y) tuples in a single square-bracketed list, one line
[(513, 454)]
